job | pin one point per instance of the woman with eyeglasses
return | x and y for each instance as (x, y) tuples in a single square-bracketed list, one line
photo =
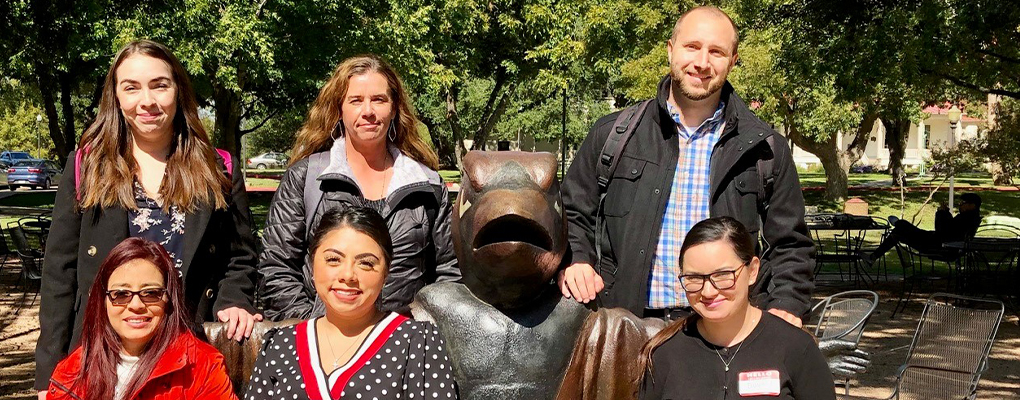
[(136, 343), (729, 349)]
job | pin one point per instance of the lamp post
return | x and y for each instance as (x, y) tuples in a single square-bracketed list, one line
[(38, 141), (954, 119)]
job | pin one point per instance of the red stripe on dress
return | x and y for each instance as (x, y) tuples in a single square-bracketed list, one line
[(374, 348), (305, 362)]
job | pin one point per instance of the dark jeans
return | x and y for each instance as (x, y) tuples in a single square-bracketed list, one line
[(910, 235)]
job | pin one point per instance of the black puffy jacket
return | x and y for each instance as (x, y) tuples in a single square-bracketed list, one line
[(417, 210)]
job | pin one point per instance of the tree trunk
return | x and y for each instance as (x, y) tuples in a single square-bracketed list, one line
[(896, 132), (453, 117), (1000, 176), (445, 147), (835, 162), (228, 120)]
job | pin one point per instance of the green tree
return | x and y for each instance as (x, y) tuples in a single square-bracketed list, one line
[(61, 48)]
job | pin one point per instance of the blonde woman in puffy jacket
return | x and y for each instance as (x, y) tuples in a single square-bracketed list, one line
[(359, 147)]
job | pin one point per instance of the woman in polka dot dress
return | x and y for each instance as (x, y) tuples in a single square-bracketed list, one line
[(355, 351)]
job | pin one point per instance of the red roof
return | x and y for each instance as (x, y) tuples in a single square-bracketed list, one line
[(936, 110)]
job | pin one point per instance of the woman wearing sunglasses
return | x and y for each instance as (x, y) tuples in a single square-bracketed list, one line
[(729, 349), (136, 343)]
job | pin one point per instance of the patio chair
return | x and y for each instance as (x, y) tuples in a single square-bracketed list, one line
[(5, 249), (881, 265), (919, 267), (997, 231), (839, 249), (950, 348), (843, 316), (31, 259)]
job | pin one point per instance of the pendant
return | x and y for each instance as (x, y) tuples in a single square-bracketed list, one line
[(726, 368), (336, 364)]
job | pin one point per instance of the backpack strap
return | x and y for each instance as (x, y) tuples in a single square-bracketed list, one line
[(766, 179), (624, 127), (313, 190), (77, 173), (228, 162), (766, 174)]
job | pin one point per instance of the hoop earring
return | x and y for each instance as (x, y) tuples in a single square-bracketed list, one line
[(337, 129), (392, 135)]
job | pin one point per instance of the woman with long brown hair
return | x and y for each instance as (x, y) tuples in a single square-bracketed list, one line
[(145, 168), (361, 146), (136, 342), (729, 349)]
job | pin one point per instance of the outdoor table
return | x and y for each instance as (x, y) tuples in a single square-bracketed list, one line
[(38, 227), (848, 232), (992, 258)]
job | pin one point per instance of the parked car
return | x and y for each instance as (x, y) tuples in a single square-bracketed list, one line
[(11, 157), (33, 173), (268, 160)]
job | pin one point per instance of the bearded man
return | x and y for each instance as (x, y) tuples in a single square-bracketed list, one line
[(644, 176)]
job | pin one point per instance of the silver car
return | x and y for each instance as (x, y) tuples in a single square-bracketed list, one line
[(268, 160)]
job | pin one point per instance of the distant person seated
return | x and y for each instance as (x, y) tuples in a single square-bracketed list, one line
[(947, 229)]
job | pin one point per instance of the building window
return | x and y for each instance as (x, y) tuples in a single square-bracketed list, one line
[(927, 135)]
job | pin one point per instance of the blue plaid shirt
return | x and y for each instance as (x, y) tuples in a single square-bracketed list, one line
[(687, 205)]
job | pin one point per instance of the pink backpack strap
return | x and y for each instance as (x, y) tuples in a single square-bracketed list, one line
[(77, 172), (227, 161)]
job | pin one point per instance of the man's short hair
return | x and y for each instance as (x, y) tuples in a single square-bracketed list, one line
[(971, 198), (712, 10)]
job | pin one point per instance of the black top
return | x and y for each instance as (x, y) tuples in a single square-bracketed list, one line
[(776, 361), (400, 359)]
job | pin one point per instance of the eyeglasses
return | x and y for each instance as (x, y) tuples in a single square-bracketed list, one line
[(122, 297), (721, 280)]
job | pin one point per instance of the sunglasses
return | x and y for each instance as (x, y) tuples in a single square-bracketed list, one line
[(121, 297)]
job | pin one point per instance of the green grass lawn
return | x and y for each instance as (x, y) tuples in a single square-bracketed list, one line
[(817, 179)]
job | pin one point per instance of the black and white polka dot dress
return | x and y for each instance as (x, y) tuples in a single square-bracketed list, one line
[(400, 359)]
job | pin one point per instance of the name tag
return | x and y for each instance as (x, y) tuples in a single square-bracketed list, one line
[(758, 383)]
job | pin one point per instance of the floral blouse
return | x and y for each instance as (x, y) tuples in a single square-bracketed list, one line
[(150, 222)]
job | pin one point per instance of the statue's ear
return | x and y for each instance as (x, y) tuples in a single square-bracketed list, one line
[(542, 167), (478, 167)]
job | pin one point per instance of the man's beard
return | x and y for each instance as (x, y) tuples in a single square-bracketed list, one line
[(692, 93)]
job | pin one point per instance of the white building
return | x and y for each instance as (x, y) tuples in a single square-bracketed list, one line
[(932, 132)]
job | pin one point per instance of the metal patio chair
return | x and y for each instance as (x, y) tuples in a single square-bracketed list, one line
[(844, 316), (950, 348)]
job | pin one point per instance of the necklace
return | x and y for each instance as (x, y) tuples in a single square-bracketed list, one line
[(357, 340), (385, 181), (726, 364)]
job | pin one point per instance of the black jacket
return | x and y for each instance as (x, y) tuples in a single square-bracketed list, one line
[(961, 227), (637, 195), (422, 249), (218, 271)]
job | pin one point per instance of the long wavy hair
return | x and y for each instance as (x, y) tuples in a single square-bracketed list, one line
[(108, 166), (707, 231), (316, 134), (101, 345)]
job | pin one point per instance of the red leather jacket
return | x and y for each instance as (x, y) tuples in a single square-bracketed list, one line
[(190, 369)]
